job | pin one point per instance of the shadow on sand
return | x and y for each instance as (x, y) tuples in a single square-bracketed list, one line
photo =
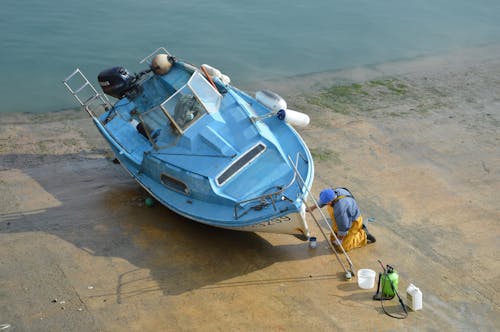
[(102, 211)]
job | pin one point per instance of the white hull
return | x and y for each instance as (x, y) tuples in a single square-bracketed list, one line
[(293, 223)]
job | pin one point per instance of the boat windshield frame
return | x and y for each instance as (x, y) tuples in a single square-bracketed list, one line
[(189, 103)]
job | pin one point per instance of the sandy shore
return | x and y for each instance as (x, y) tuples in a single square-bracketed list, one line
[(417, 142)]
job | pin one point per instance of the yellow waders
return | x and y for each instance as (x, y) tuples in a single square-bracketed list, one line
[(356, 236)]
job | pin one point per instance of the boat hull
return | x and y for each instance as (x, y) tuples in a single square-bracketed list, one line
[(293, 223), (208, 152)]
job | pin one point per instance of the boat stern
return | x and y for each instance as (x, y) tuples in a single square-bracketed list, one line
[(294, 223)]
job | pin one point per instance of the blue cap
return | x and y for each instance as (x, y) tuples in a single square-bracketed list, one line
[(326, 196)]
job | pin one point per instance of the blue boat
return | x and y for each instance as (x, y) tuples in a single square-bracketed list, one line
[(203, 148)]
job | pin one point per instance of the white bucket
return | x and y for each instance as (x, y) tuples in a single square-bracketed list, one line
[(366, 278)]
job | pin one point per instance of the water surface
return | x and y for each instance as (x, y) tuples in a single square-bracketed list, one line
[(43, 41)]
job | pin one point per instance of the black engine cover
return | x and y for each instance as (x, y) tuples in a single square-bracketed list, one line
[(116, 81)]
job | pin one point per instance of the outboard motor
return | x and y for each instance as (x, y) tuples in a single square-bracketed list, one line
[(116, 81)]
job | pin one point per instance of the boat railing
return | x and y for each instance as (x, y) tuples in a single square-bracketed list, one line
[(86, 94), (267, 199)]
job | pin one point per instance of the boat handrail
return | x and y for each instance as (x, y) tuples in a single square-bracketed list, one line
[(270, 196)]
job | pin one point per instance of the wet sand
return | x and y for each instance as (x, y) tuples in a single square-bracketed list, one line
[(417, 142)]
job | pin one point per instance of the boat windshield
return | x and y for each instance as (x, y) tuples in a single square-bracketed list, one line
[(196, 98)]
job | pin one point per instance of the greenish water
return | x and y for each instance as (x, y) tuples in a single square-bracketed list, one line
[(43, 41)]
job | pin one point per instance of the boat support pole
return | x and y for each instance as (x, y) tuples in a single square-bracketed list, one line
[(348, 273)]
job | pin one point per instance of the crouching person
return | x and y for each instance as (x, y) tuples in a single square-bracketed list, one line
[(347, 222)]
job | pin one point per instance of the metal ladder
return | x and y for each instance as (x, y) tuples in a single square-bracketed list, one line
[(93, 100)]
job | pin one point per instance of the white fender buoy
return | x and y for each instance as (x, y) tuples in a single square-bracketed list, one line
[(225, 79), (214, 72), (161, 64), (294, 118), (270, 100)]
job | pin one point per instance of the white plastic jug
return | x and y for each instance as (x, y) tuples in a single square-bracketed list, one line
[(414, 297)]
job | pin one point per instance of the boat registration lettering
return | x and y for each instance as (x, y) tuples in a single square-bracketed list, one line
[(279, 220)]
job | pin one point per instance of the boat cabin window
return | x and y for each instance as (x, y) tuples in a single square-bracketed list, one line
[(206, 93), (196, 98), (240, 163), (174, 184)]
